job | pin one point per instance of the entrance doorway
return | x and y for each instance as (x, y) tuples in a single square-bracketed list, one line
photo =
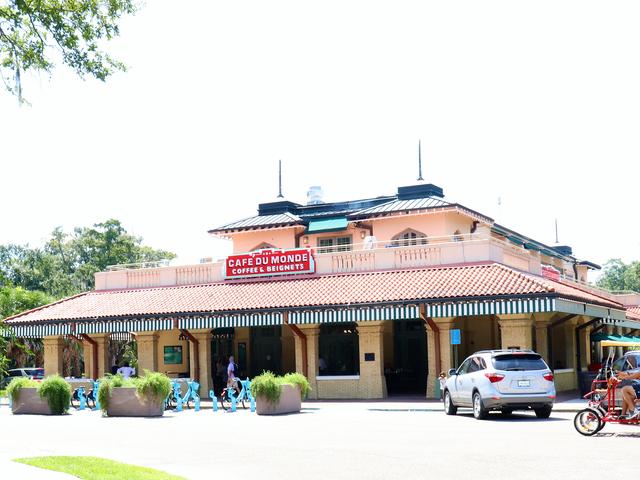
[(221, 350), (266, 350), (409, 373)]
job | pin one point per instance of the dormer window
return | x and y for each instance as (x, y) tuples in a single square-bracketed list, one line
[(263, 246), (410, 237)]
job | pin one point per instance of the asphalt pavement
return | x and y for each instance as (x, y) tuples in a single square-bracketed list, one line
[(330, 440)]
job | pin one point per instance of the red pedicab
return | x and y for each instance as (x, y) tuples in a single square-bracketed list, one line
[(602, 407)]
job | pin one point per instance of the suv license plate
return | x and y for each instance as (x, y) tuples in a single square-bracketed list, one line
[(524, 383)]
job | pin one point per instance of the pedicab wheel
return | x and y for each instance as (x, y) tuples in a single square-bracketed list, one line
[(587, 422)]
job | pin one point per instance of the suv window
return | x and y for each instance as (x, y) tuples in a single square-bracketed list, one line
[(526, 361), (464, 367), (476, 365), (628, 362)]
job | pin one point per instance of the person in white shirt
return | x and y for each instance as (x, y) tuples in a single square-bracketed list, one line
[(126, 371), (231, 372)]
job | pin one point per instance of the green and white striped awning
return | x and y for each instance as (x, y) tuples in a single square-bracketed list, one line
[(491, 307), (355, 314), (40, 331), (141, 325), (226, 321)]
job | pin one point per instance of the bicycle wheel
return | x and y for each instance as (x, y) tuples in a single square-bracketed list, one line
[(225, 403)]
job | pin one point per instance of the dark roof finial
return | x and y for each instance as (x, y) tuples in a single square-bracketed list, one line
[(280, 179), (420, 179)]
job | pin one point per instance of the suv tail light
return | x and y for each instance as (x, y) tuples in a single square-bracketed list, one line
[(548, 377), (494, 377)]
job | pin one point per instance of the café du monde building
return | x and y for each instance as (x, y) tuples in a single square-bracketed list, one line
[(367, 298)]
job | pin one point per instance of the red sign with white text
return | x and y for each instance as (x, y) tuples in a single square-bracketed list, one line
[(269, 262)]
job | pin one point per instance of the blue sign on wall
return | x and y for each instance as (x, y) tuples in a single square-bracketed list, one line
[(455, 336)]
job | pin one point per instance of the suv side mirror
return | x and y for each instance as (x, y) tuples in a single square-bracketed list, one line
[(452, 371)]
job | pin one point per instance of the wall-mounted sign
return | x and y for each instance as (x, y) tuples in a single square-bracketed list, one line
[(455, 336), (269, 262)]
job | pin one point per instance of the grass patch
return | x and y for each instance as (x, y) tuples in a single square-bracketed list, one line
[(95, 468)]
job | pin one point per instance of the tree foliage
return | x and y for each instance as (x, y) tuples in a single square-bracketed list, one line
[(68, 261), (36, 33), (620, 276)]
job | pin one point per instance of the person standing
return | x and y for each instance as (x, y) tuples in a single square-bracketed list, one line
[(443, 381), (126, 371), (231, 372)]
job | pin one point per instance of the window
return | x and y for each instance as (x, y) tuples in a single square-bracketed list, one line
[(457, 236), (173, 355), (339, 350), (476, 364), (462, 369), (262, 246), (334, 244), (519, 362), (410, 237)]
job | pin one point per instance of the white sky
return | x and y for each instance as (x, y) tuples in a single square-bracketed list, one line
[(537, 103)]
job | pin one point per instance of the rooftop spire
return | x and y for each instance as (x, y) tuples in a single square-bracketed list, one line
[(280, 179), (420, 179)]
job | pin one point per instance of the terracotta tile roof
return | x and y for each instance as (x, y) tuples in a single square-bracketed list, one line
[(633, 313), (441, 283)]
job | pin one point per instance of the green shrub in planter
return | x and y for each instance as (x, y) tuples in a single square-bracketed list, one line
[(268, 385), (54, 389), (13, 390), (57, 392), (299, 380), (153, 385)]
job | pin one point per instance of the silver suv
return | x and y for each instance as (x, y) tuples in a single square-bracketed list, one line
[(504, 380)]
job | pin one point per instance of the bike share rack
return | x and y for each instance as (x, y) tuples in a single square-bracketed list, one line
[(245, 392), (192, 392)]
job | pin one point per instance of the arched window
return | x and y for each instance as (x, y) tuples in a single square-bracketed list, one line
[(410, 237), (263, 246), (457, 236)]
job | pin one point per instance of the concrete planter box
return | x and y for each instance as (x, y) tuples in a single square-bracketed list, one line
[(289, 402), (30, 403), (124, 402)]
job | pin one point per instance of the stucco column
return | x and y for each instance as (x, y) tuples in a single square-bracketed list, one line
[(53, 347), (147, 352), (542, 338), (570, 344), (204, 357), (104, 360), (515, 331), (446, 353), (312, 333), (372, 383), (432, 374), (87, 353), (585, 348)]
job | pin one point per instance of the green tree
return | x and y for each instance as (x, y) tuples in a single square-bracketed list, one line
[(620, 276), (14, 300), (34, 33), (68, 261)]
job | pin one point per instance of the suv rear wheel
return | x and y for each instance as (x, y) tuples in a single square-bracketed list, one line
[(479, 412), (543, 412), (449, 407)]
